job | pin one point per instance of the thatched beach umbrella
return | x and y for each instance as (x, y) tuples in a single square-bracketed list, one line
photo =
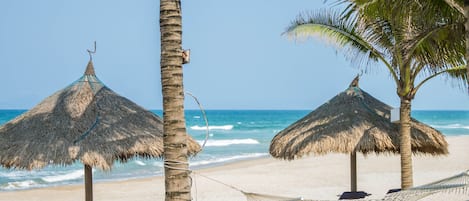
[(353, 121), (85, 121)]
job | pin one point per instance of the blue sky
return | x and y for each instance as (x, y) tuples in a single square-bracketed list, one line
[(239, 58)]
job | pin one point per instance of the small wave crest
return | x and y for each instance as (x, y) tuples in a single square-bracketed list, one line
[(140, 163), (158, 164), (451, 126), (17, 185), (224, 143), (224, 127), (64, 177), (16, 174), (227, 159)]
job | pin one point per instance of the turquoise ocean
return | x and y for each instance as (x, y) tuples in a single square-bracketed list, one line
[(234, 135)]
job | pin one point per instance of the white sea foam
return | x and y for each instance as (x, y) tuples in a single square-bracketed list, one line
[(140, 163), (196, 117), (451, 126), (16, 174), (16, 185), (64, 177), (224, 143), (227, 159), (158, 164), (224, 127)]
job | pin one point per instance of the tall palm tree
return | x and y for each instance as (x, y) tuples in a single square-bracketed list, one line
[(412, 50), (420, 13), (177, 180)]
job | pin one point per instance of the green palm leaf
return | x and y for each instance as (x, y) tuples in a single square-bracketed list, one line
[(345, 35)]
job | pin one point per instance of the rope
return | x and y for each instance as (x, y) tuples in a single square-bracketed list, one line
[(249, 196), (207, 134), (252, 196), (217, 181), (170, 164), (86, 133), (457, 185), (195, 187), (95, 91), (462, 178)]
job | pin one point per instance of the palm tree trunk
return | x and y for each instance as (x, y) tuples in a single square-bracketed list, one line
[(405, 145), (177, 180), (466, 26)]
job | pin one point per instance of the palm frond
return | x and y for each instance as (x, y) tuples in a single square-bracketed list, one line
[(382, 33), (346, 35), (438, 47), (456, 4), (457, 75)]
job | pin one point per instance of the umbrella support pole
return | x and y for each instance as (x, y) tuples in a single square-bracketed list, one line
[(353, 171), (88, 183), (353, 194)]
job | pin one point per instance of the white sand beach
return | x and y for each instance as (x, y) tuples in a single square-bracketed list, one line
[(323, 177)]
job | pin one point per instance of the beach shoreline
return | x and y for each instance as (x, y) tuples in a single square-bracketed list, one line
[(315, 177)]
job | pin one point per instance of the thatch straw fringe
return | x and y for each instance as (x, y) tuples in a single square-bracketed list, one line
[(86, 121), (352, 121)]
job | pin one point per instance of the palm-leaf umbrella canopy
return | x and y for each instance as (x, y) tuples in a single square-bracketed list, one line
[(85, 121), (353, 121)]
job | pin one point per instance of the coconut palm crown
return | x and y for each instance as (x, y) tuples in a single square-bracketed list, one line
[(456, 10)]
